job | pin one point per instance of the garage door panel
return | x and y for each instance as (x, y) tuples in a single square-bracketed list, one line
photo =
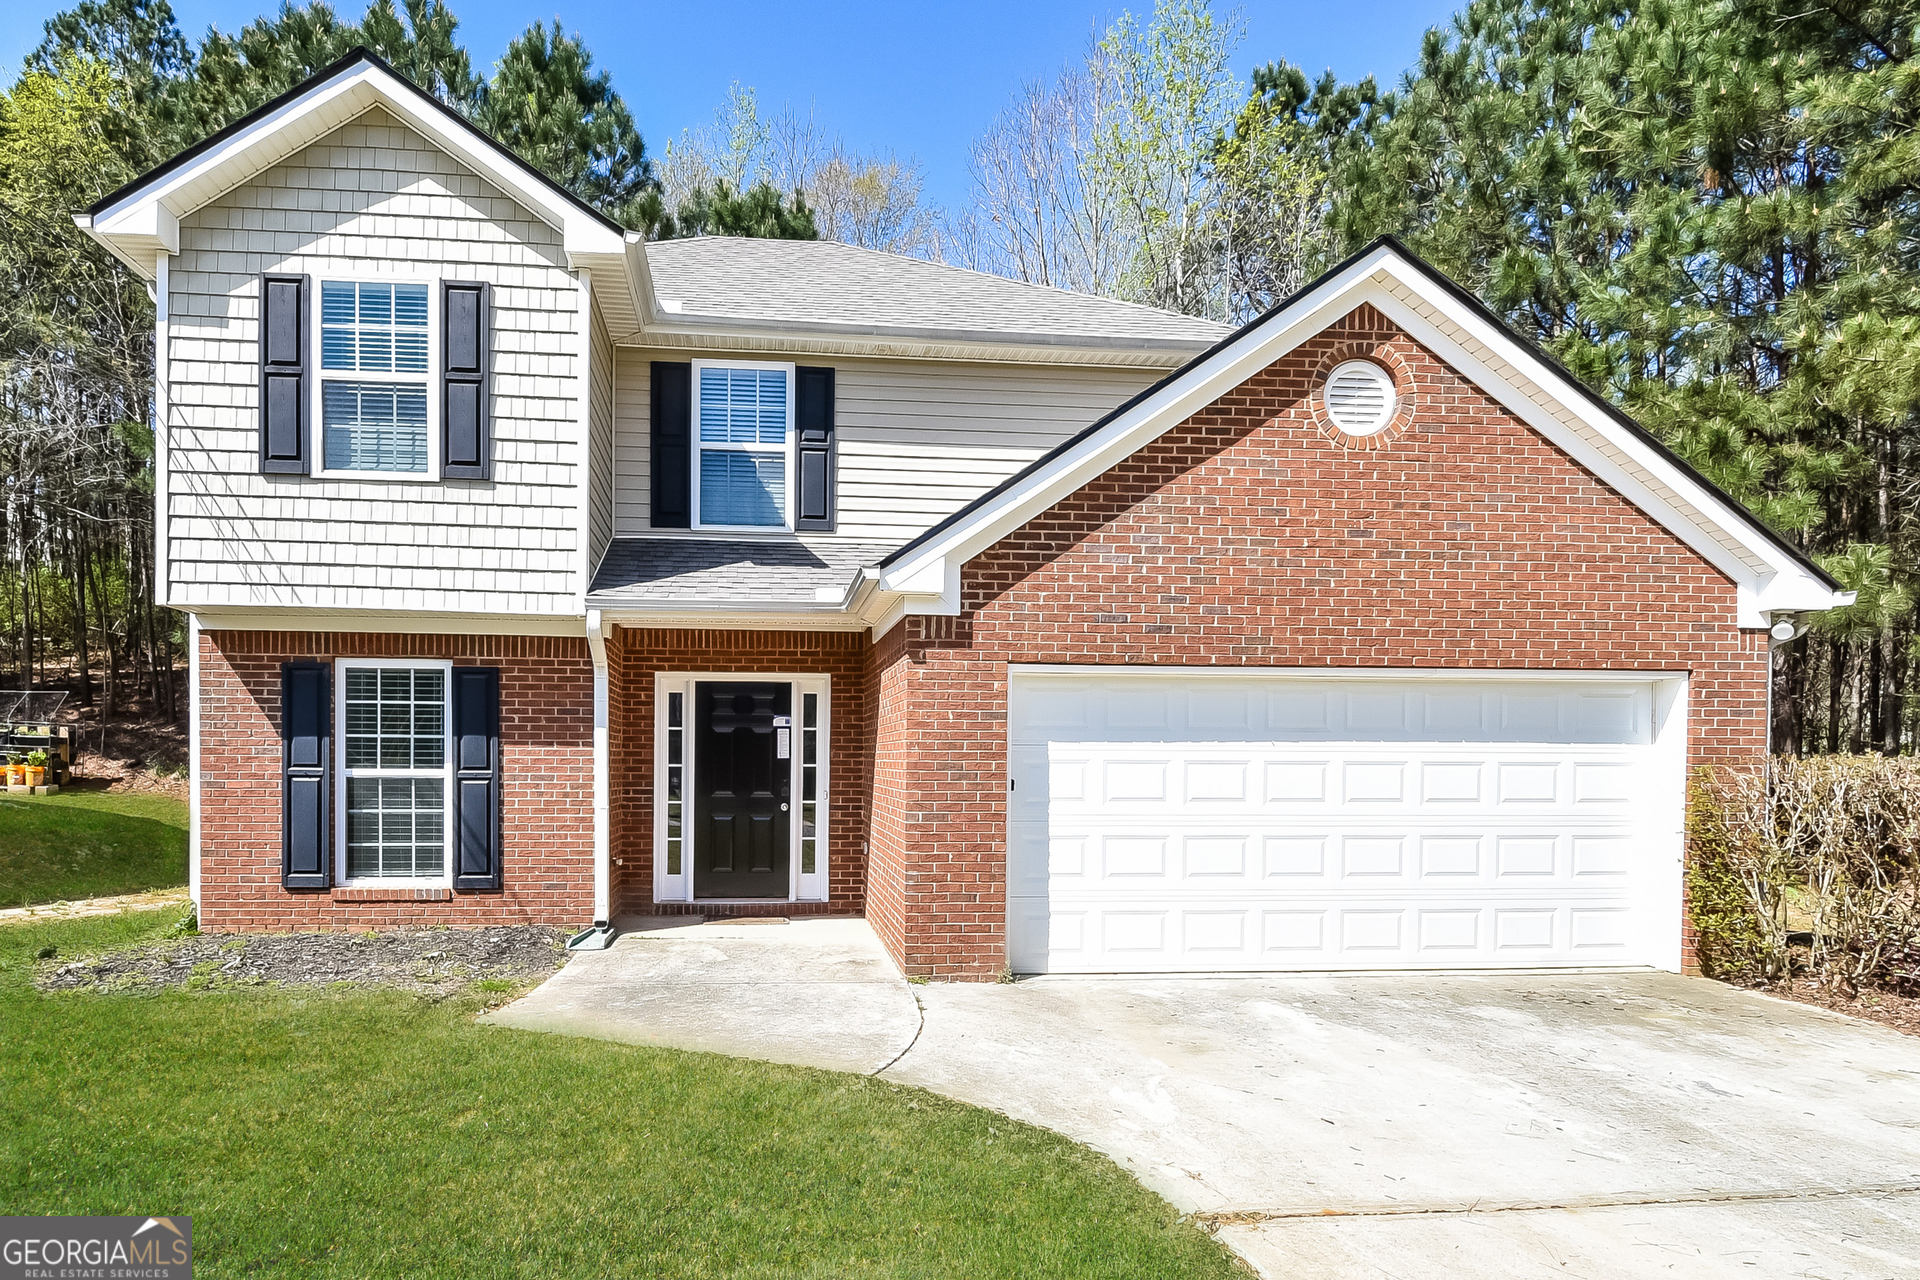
[(1460, 835), (1226, 709)]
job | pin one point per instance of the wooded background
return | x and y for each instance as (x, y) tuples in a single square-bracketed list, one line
[(1707, 211)]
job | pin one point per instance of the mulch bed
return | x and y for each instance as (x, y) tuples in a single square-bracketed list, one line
[(433, 961), (1887, 1008)]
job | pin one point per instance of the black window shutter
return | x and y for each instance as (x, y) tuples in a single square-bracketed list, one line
[(813, 446), (476, 777), (466, 430), (671, 458), (306, 733), (283, 375)]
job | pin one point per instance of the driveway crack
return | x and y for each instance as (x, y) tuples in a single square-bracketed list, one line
[(1246, 1217), (919, 1009)]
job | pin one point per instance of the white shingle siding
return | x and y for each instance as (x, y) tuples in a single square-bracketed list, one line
[(918, 440), (373, 198)]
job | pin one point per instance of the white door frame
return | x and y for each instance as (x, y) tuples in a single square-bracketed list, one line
[(1664, 808), (802, 885)]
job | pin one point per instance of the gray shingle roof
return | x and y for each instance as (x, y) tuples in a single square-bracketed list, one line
[(820, 284), (743, 571)]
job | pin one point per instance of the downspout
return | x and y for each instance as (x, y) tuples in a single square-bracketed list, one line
[(600, 935), (162, 411), (193, 762)]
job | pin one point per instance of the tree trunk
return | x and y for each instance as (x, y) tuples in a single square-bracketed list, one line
[(1835, 676), (82, 658), (1891, 686)]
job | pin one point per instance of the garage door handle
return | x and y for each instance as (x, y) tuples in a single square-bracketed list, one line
[(783, 808)]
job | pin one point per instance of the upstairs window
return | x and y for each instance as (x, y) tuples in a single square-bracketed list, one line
[(743, 418), (375, 420)]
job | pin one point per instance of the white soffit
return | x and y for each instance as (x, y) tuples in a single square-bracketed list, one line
[(1768, 576)]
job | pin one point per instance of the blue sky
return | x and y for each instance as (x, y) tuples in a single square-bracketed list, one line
[(919, 79)]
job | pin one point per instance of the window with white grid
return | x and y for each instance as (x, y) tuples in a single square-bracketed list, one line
[(394, 790), (375, 420)]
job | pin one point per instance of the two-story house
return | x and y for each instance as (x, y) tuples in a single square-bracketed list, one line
[(539, 573)]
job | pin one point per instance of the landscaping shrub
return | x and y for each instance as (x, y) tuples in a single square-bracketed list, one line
[(1812, 865)]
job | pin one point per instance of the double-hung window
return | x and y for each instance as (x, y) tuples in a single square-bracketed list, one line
[(394, 791), (743, 451), (374, 367)]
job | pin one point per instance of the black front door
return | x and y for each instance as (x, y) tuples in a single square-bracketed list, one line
[(742, 764)]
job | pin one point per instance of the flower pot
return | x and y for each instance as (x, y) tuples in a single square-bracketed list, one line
[(16, 775), (36, 777)]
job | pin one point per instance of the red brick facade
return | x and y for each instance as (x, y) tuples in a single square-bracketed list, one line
[(546, 750), (1252, 536)]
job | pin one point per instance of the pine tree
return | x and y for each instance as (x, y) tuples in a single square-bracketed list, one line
[(760, 211), (546, 104)]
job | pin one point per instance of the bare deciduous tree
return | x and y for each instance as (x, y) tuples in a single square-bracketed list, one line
[(1040, 212)]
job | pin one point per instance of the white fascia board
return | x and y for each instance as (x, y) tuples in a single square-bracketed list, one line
[(312, 116), (1783, 584), (998, 348), (694, 615)]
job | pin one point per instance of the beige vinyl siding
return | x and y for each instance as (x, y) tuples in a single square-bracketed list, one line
[(372, 199), (917, 439), (632, 444), (600, 401)]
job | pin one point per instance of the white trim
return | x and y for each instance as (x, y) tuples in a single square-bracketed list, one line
[(341, 666), (681, 888), (162, 401), (193, 761), (1769, 579), (1170, 670), (1666, 818), (695, 447), (602, 775), (426, 380), (585, 381)]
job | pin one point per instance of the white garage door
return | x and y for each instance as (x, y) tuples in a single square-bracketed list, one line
[(1292, 822)]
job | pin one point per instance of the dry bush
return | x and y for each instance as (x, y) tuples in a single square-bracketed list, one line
[(1820, 853)]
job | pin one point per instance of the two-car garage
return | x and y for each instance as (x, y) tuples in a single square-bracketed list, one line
[(1236, 820)]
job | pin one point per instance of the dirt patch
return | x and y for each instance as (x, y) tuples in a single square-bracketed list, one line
[(1887, 1008), (434, 961)]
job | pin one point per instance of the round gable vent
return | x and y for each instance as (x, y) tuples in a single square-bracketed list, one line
[(1360, 398)]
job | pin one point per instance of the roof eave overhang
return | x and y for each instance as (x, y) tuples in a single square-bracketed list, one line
[(1771, 578), (901, 343), (142, 220)]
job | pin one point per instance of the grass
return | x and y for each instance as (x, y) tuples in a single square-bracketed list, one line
[(370, 1133), (82, 844)]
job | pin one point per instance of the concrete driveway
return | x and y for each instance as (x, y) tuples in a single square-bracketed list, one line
[(1341, 1128), (1490, 1127)]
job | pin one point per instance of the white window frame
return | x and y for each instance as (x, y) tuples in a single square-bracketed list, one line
[(800, 887), (427, 380), (341, 773), (786, 448)]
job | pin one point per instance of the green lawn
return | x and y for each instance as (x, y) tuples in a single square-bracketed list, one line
[(83, 844), (371, 1133)]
